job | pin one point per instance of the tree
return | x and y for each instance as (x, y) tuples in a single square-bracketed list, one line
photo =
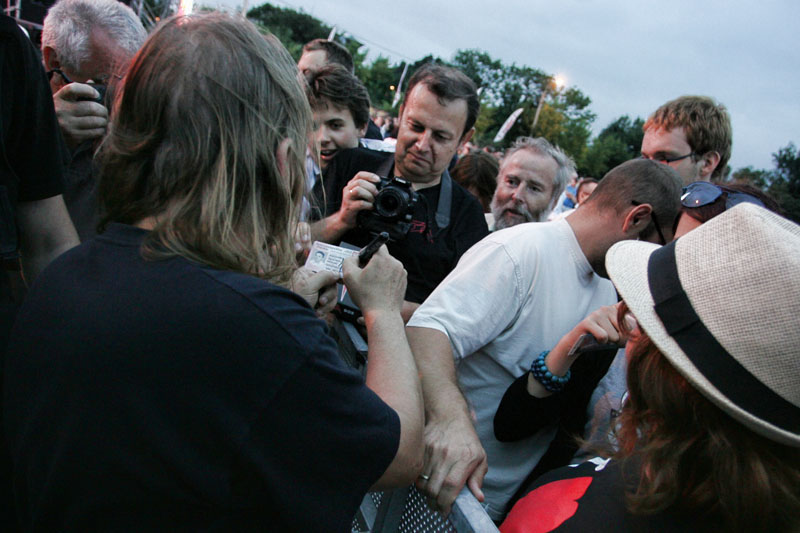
[(295, 28), (618, 142), (785, 184), (564, 120)]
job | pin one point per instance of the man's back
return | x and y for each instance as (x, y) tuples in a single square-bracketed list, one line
[(513, 295)]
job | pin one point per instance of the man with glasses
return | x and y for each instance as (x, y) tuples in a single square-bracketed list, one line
[(83, 42), (692, 134), (511, 296)]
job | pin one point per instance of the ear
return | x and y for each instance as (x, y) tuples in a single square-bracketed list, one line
[(636, 220), (50, 57), (363, 130), (282, 155), (710, 161), (466, 137)]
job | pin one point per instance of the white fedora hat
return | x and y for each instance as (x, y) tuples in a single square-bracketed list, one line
[(722, 303)]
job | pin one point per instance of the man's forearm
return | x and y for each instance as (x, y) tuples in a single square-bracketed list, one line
[(434, 357), (329, 229), (46, 231), (392, 375)]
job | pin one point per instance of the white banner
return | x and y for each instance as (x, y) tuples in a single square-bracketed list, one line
[(398, 91), (507, 125)]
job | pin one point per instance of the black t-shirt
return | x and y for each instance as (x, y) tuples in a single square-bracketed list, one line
[(591, 497), (428, 253), (166, 395), (32, 151)]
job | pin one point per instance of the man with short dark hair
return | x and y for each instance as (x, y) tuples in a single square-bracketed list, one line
[(436, 118), (693, 135), (512, 296), (340, 104), (321, 52), (532, 177)]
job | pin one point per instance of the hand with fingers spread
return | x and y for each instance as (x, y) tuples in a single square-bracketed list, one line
[(454, 457), (79, 117)]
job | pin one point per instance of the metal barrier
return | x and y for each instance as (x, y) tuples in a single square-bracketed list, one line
[(405, 510)]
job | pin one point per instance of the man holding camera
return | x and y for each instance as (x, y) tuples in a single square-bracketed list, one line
[(433, 220), (86, 47)]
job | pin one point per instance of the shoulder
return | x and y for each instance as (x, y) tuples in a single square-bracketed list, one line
[(354, 160), (240, 295)]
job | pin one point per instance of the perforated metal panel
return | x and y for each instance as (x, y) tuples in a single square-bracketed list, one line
[(419, 518)]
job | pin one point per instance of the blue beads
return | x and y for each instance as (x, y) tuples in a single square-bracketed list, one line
[(543, 375)]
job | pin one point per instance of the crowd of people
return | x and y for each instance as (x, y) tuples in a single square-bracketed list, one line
[(581, 354)]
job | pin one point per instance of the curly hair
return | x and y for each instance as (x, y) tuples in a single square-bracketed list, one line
[(693, 458), (205, 110)]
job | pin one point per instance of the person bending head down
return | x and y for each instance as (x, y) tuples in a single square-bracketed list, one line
[(207, 148), (187, 360)]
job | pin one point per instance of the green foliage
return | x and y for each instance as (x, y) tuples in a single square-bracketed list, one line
[(564, 120), (750, 176), (296, 28), (785, 183), (618, 142)]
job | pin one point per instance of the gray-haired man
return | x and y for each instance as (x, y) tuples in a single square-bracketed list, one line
[(531, 179)]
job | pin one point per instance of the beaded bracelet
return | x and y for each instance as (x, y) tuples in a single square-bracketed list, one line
[(549, 381)]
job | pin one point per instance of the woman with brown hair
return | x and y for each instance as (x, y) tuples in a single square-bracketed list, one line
[(710, 435)]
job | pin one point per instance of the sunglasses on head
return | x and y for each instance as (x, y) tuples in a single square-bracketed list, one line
[(702, 193)]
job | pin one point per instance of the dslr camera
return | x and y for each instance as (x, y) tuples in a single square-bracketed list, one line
[(392, 210), (100, 88)]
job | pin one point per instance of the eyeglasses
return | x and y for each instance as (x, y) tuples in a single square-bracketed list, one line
[(60, 73), (655, 222), (702, 193), (99, 80), (667, 160)]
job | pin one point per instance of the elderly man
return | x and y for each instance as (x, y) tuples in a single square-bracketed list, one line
[(692, 134), (440, 108), (532, 177), (86, 41), (512, 296)]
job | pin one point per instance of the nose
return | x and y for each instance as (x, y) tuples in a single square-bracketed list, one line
[(323, 135), (516, 194), (423, 143)]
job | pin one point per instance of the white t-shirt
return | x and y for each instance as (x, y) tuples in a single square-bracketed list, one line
[(513, 295)]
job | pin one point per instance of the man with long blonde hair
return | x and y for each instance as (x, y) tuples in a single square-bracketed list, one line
[(163, 376)]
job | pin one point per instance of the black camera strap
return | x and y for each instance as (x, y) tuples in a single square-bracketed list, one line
[(445, 201)]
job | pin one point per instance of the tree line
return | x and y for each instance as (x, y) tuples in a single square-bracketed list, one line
[(565, 118)]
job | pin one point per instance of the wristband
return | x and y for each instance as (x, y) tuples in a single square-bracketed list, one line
[(548, 380)]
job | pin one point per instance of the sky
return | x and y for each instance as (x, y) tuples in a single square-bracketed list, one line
[(628, 56)]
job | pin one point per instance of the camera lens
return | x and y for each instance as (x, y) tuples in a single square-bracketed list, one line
[(389, 203)]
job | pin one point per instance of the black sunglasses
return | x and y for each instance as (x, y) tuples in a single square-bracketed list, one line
[(702, 193)]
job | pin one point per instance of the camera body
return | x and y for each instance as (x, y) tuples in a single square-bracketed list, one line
[(392, 210), (100, 88)]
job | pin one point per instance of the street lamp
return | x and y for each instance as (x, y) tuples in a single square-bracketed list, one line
[(559, 82)]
